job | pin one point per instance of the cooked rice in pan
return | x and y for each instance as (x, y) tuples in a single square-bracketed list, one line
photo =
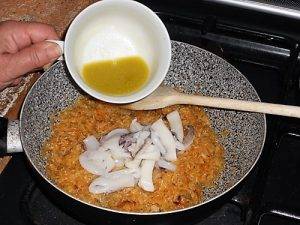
[(197, 168)]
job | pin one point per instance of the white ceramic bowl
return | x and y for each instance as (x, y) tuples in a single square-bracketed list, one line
[(126, 28)]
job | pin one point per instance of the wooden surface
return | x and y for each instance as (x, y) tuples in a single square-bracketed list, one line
[(55, 12)]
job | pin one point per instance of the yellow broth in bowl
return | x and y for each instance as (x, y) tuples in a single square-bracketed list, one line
[(117, 77)]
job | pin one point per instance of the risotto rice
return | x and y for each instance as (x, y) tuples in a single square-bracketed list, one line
[(197, 168)]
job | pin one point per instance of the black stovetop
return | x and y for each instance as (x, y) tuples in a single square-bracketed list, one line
[(270, 194)]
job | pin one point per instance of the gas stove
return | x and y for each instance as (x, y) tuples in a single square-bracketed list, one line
[(269, 57)]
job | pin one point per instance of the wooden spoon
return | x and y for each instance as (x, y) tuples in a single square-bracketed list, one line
[(165, 96)]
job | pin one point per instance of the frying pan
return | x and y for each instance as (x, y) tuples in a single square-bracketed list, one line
[(192, 70)]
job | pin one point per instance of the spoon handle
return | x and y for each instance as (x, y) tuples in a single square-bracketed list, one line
[(268, 108)]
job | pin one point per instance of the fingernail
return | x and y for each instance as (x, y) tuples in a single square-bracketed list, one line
[(53, 50)]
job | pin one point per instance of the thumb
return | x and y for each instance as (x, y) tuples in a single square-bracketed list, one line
[(32, 57)]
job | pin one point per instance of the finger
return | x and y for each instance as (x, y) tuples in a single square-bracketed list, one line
[(18, 35), (35, 56), (16, 81), (11, 83), (39, 32)]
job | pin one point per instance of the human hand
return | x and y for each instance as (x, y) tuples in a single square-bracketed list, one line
[(23, 48)]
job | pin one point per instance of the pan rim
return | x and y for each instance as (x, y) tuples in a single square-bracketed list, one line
[(149, 213)]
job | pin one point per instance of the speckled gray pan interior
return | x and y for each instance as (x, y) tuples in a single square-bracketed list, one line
[(193, 70)]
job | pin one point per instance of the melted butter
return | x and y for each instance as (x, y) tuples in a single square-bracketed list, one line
[(117, 77)]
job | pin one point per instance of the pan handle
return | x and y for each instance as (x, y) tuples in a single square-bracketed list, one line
[(3, 135), (10, 141)]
